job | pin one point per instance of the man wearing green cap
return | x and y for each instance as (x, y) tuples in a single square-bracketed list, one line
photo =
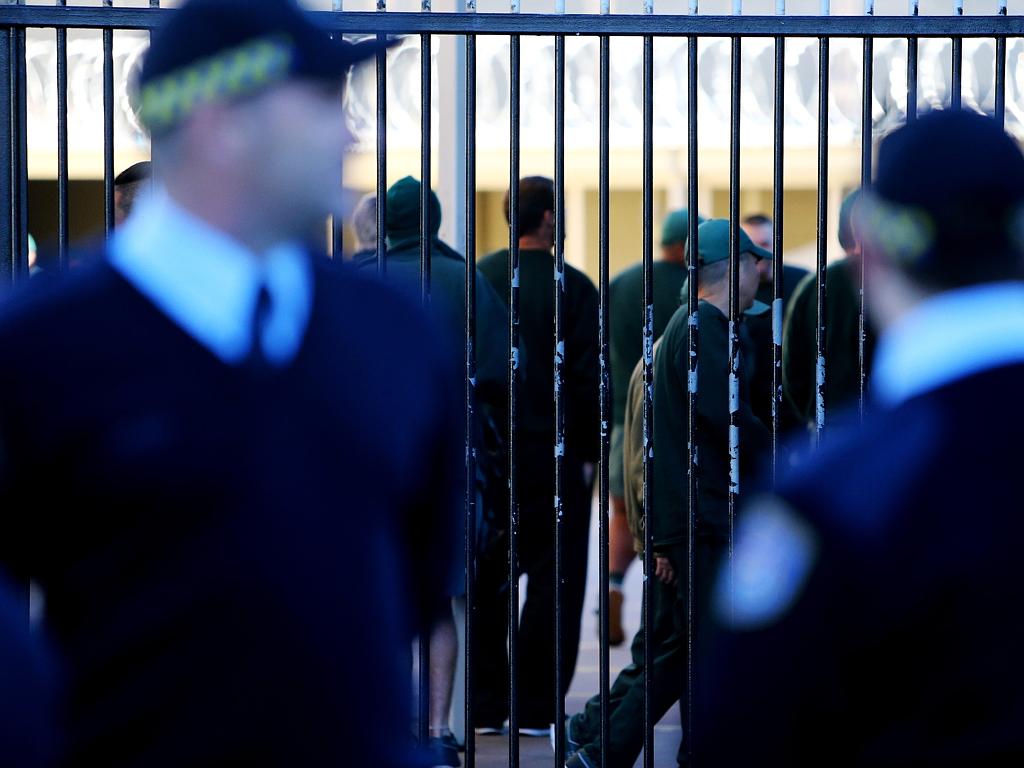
[(626, 348), (842, 331), (670, 518), (448, 306), (447, 284)]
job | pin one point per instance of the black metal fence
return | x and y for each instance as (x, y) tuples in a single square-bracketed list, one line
[(14, 19)]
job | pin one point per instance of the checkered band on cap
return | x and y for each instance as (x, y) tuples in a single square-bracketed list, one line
[(236, 72)]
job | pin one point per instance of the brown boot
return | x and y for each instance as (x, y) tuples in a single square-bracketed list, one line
[(616, 635)]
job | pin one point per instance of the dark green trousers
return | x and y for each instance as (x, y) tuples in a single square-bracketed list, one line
[(669, 633)]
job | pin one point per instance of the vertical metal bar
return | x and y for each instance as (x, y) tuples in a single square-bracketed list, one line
[(819, 397), (382, 149), (425, 248), (62, 146), (691, 404), (648, 424), (8, 199), (425, 230), (108, 126), (958, 61), (513, 405), (470, 388), (777, 263), (20, 137), (866, 132), (604, 661), (559, 393), (911, 79), (337, 223), (912, 69), (734, 284), (1000, 113)]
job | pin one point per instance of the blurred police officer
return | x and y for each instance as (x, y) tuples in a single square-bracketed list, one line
[(29, 732), (627, 311), (194, 425), (873, 613), (670, 513)]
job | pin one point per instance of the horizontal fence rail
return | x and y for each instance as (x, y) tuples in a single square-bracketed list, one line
[(661, 25)]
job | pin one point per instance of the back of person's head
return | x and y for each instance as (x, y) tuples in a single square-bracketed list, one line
[(847, 236), (128, 184), (536, 197), (364, 222), (757, 220), (947, 205), (402, 214)]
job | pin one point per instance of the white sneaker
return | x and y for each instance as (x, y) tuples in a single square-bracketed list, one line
[(535, 731)]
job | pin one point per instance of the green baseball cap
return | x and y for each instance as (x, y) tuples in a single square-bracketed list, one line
[(713, 243), (677, 227), (713, 246)]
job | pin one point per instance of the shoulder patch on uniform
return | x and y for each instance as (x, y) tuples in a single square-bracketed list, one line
[(773, 555)]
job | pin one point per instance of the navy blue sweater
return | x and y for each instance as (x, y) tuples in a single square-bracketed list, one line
[(904, 645), (231, 556)]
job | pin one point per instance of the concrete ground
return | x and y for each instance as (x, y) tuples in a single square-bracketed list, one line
[(492, 751)]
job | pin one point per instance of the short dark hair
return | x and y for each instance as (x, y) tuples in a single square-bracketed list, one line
[(536, 196), (713, 273), (757, 220), (133, 174)]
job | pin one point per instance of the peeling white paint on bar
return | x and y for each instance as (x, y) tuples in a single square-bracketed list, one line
[(819, 397), (777, 321)]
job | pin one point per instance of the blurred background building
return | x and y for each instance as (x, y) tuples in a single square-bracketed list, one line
[(537, 128)]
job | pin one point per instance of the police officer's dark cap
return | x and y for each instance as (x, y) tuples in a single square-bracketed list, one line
[(214, 50), (947, 205)]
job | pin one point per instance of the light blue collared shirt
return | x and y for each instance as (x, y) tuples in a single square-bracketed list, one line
[(949, 337), (208, 283)]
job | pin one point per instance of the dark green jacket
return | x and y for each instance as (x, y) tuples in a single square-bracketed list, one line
[(842, 346), (760, 329), (536, 335), (448, 306), (626, 316), (671, 429)]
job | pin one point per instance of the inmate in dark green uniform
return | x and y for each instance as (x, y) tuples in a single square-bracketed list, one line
[(535, 473), (670, 518), (842, 332), (842, 342), (760, 329), (626, 317)]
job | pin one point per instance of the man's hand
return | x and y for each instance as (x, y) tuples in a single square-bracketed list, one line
[(663, 570)]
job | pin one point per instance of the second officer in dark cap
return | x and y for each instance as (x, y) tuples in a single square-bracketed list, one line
[(873, 617), (188, 506)]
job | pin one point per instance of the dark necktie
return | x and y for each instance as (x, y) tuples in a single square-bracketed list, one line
[(259, 325)]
